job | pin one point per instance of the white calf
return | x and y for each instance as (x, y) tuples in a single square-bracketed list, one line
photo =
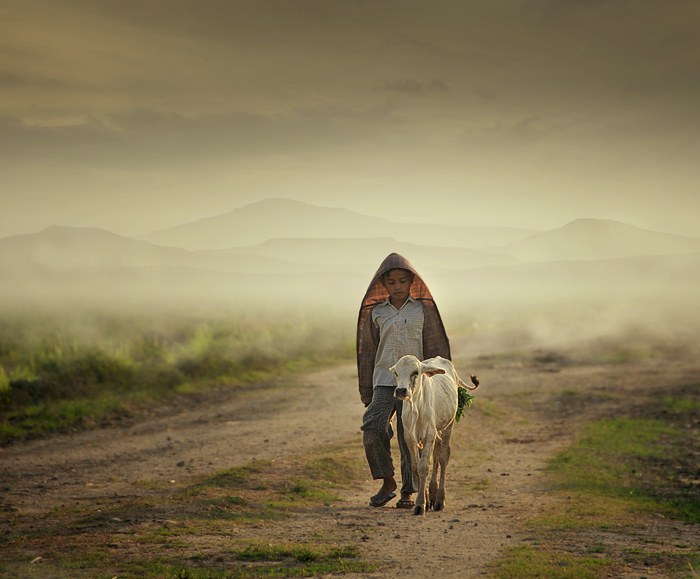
[(429, 393)]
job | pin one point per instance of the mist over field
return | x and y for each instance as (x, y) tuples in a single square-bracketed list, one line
[(91, 320), (588, 277)]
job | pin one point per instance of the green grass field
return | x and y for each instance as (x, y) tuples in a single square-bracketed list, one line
[(620, 476), (59, 371)]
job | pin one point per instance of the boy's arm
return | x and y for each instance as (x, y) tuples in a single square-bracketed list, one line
[(435, 341), (366, 358)]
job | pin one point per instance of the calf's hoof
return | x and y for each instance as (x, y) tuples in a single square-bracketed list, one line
[(419, 510), (439, 506)]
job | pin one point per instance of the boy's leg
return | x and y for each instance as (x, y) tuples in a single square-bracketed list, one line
[(408, 485), (376, 436)]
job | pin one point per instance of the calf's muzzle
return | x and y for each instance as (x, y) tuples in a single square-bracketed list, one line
[(401, 393)]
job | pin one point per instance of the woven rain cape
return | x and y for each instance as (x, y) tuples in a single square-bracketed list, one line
[(435, 341)]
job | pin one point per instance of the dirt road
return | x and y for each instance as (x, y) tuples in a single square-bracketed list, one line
[(528, 407)]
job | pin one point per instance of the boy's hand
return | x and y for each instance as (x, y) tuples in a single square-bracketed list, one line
[(366, 396)]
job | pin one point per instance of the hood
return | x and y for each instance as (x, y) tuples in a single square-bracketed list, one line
[(435, 341)]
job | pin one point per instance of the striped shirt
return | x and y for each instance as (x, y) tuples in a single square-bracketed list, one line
[(400, 333)]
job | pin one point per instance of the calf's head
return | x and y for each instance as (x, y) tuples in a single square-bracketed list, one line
[(409, 372)]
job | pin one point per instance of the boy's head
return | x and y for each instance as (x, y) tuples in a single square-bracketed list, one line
[(398, 283)]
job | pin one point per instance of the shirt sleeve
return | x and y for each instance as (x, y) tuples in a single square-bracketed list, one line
[(435, 341), (365, 358)]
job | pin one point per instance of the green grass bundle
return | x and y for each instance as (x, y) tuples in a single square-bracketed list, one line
[(464, 400)]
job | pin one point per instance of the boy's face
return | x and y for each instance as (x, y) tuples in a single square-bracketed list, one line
[(398, 283)]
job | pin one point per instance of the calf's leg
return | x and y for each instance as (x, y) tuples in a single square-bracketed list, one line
[(444, 458), (433, 488), (423, 468)]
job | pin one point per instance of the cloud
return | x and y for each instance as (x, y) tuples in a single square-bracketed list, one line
[(300, 94), (412, 86), (147, 139), (11, 80), (516, 133)]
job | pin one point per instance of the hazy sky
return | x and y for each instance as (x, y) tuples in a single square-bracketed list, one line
[(135, 115)]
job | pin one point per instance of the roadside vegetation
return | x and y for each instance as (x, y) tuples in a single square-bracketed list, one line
[(628, 495), (60, 371)]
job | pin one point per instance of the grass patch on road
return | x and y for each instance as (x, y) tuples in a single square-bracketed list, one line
[(531, 562), (238, 522), (628, 498), (625, 467)]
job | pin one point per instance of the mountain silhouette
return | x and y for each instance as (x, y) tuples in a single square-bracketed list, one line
[(365, 255), (68, 248), (59, 246), (90, 265), (670, 279), (592, 239), (65, 248), (285, 218)]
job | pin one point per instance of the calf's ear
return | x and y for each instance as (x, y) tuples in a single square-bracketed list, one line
[(431, 371)]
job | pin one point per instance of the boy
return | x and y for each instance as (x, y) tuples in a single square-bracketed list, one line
[(398, 316)]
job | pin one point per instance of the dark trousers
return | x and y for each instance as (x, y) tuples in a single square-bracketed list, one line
[(377, 434)]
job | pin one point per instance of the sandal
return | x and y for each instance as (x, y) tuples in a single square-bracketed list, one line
[(380, 500), (405, 504)]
